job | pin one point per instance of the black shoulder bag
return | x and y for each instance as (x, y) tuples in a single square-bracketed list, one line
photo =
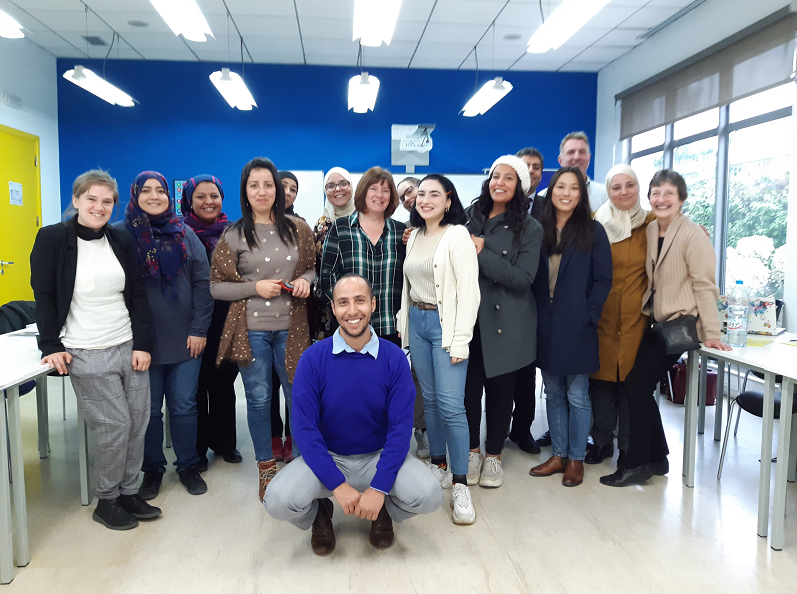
[(679, 335)]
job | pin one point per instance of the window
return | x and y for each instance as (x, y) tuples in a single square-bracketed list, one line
[(697, 163), (758, 197), (645, 167), (647, 140), (708, 120), (760, 103)]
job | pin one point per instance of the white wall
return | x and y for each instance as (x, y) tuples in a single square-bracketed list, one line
[(705, 26), (29, 72)]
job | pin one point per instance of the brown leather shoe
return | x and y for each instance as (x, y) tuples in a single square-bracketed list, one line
[(266, 472), (381, 535), (323, 538), (553, 465), (574, 473)]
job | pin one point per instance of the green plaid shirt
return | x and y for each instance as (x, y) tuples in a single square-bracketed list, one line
[(347, 249)]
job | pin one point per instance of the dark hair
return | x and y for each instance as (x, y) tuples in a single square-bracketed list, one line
[(530, 152), (516, 211), (286, 229), (376, 175), (579, 228), (355, 275), (668, 176), (455, 215)]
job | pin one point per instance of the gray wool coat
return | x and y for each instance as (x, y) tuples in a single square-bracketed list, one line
[(508, 311)]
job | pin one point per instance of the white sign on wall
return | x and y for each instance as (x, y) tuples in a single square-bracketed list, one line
[(15, 192)]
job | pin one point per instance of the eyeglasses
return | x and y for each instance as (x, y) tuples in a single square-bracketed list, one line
[(342, 184), (409, 192)]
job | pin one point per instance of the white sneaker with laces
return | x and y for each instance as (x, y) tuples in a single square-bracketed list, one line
[(493, 474), (464, 513), (422, 439), (444, 476), (475, 463)]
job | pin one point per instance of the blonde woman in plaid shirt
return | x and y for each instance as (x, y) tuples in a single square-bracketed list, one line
[(368, 243)]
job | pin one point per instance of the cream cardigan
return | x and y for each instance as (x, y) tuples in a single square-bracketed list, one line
[(456, 280), (681, 277)]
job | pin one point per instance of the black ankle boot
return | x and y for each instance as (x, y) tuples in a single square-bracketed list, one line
[(625, 476), (151, 485), (112, 515), (138, 507), (599, 453)]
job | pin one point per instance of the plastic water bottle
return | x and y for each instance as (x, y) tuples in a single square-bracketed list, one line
[(738, 305)]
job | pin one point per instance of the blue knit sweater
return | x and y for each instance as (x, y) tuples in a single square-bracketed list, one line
[(349, 404)]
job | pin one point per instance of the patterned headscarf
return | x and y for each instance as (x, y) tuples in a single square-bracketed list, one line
[(160, 239), (208, 234)]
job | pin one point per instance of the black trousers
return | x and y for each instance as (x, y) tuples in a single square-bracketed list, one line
[(609, 405), (646, 440), (276, 419), (498, 392), (525, 401), (215, 401)]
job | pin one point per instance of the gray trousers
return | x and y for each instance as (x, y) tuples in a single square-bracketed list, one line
[(294, 492), (115, 402)]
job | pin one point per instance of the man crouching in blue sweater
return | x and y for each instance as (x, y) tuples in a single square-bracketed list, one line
[(352, 415)]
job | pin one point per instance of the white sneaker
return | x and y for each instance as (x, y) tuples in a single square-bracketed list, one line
[(475, 463), (493, 474), (444, 476), (464, 512), (422, 439)]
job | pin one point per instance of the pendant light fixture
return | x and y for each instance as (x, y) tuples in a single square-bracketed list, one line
[(490, 94), (562, 24), (184, 17), (363, 89), (9, 27), (375, 21), (233, 89), (87, 80)]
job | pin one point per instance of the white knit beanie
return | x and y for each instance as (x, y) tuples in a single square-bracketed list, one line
[(520, 168)]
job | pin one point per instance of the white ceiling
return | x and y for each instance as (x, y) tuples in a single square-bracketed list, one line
[(429, 33)]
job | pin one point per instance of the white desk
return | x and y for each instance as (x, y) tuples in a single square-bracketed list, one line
[(20, 361), (771, 360)]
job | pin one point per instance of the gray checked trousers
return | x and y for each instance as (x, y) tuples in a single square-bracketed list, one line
[(292, 495), (115, 402)]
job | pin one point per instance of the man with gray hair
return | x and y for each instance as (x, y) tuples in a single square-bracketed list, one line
[(574, 152)]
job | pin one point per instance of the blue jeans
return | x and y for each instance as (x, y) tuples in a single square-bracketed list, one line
[(569, 413), (178, 382), (443, 387), (268, 352)]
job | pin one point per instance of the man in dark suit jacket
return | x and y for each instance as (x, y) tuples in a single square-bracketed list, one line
[(525, 384)]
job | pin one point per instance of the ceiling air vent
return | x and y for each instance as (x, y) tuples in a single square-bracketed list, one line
[(94, 40), (688, 8)]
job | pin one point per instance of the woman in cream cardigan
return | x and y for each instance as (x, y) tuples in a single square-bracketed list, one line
[(680, 267), (439, 304)]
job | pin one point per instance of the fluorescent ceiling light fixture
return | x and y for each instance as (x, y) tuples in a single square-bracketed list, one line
[(490, 94), (86, 79), (9, 27), (184, 16), (563, 22), (233, 89), (362, 92), (375, 21)]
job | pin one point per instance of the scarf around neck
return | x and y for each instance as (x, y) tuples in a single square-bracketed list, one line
[(207, 234)]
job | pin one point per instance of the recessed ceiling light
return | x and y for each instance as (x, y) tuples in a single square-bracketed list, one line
[(135, 23), (512, 36)]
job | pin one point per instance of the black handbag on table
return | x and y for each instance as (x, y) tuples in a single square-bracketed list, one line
[(679, 335)]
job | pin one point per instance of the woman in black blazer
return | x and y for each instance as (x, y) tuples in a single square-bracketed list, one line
[(94, 323), (573, 282)]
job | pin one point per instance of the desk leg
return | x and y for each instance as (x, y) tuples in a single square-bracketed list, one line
[(792, 470), (701, 414), (22, 556), (690, 419), (6, 535), (782, 468), (720, 400), (83, 455), (42, 417), (767, 426)]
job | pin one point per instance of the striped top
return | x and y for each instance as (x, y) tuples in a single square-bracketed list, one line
[(419, 268)]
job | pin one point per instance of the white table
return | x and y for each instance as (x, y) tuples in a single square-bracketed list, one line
[(20, 362), (773, 359)]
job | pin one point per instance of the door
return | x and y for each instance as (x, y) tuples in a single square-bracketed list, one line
[(20, 211)]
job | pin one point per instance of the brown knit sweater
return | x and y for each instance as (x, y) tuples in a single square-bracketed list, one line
[(235, 336)]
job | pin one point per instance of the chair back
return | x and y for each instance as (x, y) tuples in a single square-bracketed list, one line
[(15, 315)]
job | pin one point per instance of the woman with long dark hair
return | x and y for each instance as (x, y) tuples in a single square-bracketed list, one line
[(439, 305), (574, 279), (265, 265), (507, 242)]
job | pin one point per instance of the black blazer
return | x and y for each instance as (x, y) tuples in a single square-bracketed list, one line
[(567, 325), (537, 206), (53, 265)]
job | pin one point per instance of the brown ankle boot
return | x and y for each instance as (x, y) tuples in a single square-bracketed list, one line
[(381, 535), (266, 471), (552, 466), (323, 538), (574, 473)]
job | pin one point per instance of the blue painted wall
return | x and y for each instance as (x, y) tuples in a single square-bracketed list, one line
[(183, 126)]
